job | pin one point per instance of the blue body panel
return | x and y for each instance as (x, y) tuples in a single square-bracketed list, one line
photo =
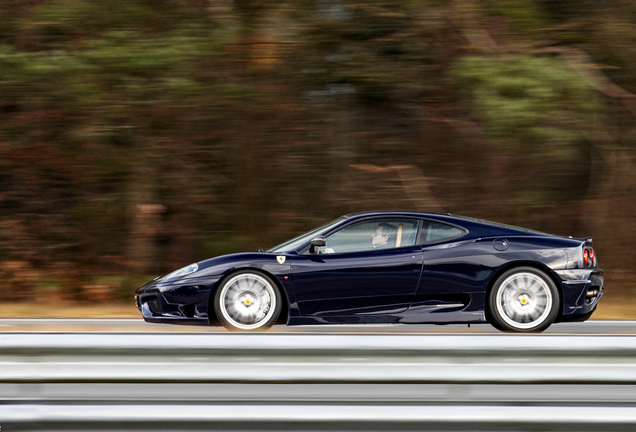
[(443, 282), (375, 282), (186, 300)]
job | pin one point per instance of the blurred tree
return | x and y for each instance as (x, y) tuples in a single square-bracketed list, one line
[(137, 136)]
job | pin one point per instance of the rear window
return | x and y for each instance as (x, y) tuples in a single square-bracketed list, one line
[(501, 225), (434, 232)]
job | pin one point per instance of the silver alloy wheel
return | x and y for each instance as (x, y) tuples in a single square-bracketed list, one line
[(524, 300), (247, 301)]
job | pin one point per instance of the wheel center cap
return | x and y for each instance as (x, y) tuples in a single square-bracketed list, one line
[(247, 301), (523, 300)]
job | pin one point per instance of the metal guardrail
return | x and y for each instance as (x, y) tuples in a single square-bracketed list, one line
[(312, 417), (128, 343), (317, 358), (438, 382), (308, 370)]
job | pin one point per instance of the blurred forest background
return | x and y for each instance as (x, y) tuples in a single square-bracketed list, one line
[(138, 136)]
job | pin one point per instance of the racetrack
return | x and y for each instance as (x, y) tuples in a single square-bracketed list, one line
[(388, 378)]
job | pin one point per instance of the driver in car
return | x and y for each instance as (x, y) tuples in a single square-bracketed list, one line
[(383, 238)]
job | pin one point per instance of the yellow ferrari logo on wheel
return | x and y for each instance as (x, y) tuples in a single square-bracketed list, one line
[(281, 259)]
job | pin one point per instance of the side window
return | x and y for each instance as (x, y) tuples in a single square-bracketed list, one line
[(433, 232), (373, 234)]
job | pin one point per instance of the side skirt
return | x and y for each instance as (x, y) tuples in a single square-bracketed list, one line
[(441, 317)]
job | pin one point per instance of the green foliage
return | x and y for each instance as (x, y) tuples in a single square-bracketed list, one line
[(83, 113), (48, 284), (422, 5), (542, 110), (379, 51), (60, 22), (532, 104), (525, 14)]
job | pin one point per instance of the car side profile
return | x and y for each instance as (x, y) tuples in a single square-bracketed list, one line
[(388, 267)]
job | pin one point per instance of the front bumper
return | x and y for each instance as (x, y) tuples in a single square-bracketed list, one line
[(582, 289), (176, 302)]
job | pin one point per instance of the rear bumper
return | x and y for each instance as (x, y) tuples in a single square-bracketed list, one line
[(582, 289)]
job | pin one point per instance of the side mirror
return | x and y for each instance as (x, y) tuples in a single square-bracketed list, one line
[(316, 244)]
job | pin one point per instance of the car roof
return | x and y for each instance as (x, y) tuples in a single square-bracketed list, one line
[(495, 228), (394, 213)]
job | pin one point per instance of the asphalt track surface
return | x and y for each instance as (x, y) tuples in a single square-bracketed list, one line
[(592, 327)]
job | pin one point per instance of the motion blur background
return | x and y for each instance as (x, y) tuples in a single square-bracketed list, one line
[(138, 136)]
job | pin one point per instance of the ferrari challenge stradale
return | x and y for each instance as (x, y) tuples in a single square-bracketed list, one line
[(388, 267)]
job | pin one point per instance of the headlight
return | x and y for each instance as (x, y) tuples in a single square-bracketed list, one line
[(183, 271)]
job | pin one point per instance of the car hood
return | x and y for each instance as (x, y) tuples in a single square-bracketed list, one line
[(224, 264)]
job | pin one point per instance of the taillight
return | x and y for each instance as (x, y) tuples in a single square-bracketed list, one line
[(592, 256), (586, 257)]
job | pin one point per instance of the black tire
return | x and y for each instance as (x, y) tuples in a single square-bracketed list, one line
[(523, 299), (247, 301)]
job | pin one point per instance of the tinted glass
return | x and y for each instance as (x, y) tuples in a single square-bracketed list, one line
[(373, 234), (502, 225), (433, 232)]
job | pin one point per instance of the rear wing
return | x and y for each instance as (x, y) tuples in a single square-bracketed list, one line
[(584, 240)]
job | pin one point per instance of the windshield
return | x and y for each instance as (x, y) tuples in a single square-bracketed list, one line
[(303, 239)]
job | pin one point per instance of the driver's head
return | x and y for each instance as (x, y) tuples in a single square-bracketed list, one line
[(384, 234)]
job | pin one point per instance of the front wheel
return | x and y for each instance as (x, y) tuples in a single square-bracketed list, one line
[(247, 301), (523, 299)]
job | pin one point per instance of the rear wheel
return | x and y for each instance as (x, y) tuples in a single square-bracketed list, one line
[(523, 299), (246, 301)]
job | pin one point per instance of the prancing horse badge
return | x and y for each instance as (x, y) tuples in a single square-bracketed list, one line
[(281, 259)]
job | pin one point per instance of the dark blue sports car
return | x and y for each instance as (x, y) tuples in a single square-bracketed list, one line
[(388, 267)]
